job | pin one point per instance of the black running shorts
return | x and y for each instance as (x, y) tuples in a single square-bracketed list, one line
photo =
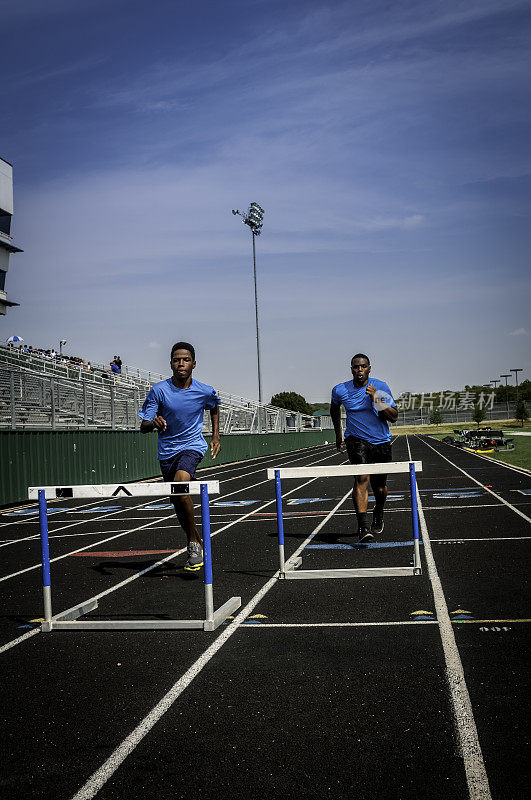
[(361, 452)]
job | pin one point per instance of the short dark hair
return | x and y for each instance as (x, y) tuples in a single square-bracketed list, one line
[(361, 355), (183, 346)]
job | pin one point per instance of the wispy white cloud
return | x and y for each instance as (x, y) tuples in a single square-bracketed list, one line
[(368, 132), (519, 332)]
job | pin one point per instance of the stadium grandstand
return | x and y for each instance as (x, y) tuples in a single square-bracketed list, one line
[(41, 389)]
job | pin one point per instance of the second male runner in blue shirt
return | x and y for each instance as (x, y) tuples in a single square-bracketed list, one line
[(175, 408), (370, 407)]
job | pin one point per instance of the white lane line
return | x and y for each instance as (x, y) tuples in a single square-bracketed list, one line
[(104, 516), (34, 536), (493, 461), (19, 640), (109, 767), (130, 530), (35, 518), (172, 555), (234, 468), (337, 624), (476, 774), (505, 502), (487, 539), (85, 547)]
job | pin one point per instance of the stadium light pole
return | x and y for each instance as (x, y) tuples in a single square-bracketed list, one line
[(495, 382), (254, 219), (516, 371), (506, 392), (61, 343)]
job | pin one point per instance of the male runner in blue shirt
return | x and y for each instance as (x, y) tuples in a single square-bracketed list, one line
[(370, 406), (175, 408)]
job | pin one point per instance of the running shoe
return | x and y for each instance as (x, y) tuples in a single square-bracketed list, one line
[(194, 561), (377, 525), (365, 536)]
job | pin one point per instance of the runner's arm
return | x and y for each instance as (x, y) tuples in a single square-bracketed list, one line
[(215, 445), (147, 425), (388, 413), (335, 413)]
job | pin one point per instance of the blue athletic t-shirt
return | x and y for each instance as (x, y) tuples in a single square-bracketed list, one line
[(362, 417), (183, 410)]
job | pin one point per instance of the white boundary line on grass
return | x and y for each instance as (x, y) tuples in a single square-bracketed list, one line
[(476, 774), (497, 496), (109, 767)]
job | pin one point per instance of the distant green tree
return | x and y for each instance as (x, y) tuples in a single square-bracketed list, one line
[(292, 401), (320, 406), (479, 414), (521, 412), (436, 417)]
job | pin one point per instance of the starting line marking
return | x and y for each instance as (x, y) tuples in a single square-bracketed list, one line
[(357, 545), (377, 624)]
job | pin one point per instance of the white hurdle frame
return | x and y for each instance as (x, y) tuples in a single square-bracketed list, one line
[(290, 569), (68, 620)]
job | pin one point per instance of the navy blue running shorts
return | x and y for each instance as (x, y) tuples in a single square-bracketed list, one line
[(186, 460)]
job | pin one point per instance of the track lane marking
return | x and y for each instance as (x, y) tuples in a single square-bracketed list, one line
[(492, 461), (505, 502), (109, 767), (35, 520), (131, 530), (339, 624), (476, 774), (19, 640), (168, 558)]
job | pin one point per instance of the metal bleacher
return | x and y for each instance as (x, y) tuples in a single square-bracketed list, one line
[(37, 393)]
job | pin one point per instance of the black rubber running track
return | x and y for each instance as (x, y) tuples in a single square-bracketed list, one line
[(284, 706)]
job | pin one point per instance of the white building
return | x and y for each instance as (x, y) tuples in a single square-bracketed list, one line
[(6, 241)]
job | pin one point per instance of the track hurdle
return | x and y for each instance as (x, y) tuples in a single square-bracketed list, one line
[(69, 619), (289, 569)]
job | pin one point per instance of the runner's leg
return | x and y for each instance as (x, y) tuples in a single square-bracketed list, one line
[(379, 490), (184, 508)]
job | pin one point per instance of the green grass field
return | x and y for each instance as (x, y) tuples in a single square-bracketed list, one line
[(507, 425)]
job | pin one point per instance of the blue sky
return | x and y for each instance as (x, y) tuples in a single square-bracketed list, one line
[(387, 142)]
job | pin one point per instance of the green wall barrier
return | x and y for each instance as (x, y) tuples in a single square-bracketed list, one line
[(55, 458)]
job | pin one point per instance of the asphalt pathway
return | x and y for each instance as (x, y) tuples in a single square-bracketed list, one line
[(375, 688)]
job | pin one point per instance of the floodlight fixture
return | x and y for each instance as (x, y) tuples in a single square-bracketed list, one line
[(254, 220)]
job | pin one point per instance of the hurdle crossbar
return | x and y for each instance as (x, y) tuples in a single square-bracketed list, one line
[(110, 490), (69, 619), (341, 472), (289, 569)]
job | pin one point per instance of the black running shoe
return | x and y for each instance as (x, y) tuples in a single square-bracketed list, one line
[(377, 525), (365, 536)]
